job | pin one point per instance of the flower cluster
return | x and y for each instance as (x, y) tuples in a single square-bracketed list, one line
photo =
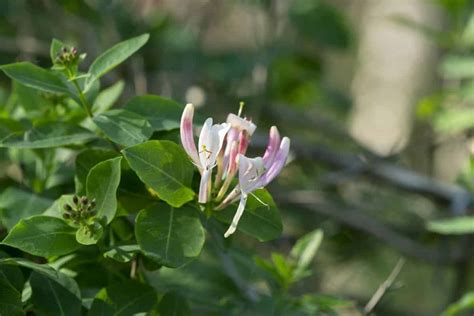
[(224, 146)]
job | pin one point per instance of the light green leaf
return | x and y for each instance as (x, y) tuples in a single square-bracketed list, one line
[(114, 56), (102, 183), (35, 77), (124, 127), (16, 204), (454, 120), (304, 250), (457, 67), (55, 49), (453, 226), (464, 304), (169, 235), (124, 299), (48, 136), (173, 304), (43, 236), (162, 113), (107, 97), (123, 253), (259, 221), (165, 167), (89, 235)]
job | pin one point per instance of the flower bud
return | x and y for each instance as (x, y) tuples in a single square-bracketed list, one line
[(75, 199), (67, 207), (84, 200)]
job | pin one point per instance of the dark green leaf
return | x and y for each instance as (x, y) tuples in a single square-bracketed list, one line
[(10, 298), (102, 183), (16, 204), (84, 163), (124, 299), (163, 114), (168, 235), (48, 136), (259, 221), (123, 253), (52, 298), (173, 304), (54, 293), (165, 167), (114, 56), (42, 236), (35, 77), (124, 127)]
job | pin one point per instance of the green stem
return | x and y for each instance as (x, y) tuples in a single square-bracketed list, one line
[(82, 97)]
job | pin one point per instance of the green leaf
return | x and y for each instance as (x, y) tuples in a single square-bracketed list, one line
[(453, 226), (123, 253), (8, 127), (90, 234), (12, 274), (84, 163), (173, 304), (124, 299), (165, 167), (48, 136), (464, 304), (107, 97), (170, 236), (52, 298), (55, 49), (35, 77), (42, 236), (259, 221), (124, 127), (114, 56), (10, 298), (304, 250), (457, 67), (16, 204), (54, 293), (102, 183), (454, 120), (162, 113)]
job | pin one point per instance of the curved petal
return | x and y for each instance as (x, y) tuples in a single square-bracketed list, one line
[(272, 147), (211, 140), (187, 135), (241, 123), (237, 216), (277, 165)]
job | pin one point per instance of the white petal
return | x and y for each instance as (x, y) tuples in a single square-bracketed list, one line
[(237, 216)]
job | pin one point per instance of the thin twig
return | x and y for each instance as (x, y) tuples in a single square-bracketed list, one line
[(387, 284)]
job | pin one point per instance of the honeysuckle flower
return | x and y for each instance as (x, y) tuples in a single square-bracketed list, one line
[(210, 143), (253, 174)]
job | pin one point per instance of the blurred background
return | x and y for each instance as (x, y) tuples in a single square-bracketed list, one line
[(376, 96)]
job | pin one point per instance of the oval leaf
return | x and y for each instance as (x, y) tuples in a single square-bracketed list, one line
[(89, 235), (124, 127), (114, 56), (162, 113), (35, 77), (165, 167), (42, 236), (102, 183), (173, 304), (259, 221), (124, 299), (168, 235), (48, 136)]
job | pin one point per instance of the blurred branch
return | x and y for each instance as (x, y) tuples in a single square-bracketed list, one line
[(386, 285), (355, 218)]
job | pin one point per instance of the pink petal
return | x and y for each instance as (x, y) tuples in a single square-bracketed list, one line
[(187, 135)]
